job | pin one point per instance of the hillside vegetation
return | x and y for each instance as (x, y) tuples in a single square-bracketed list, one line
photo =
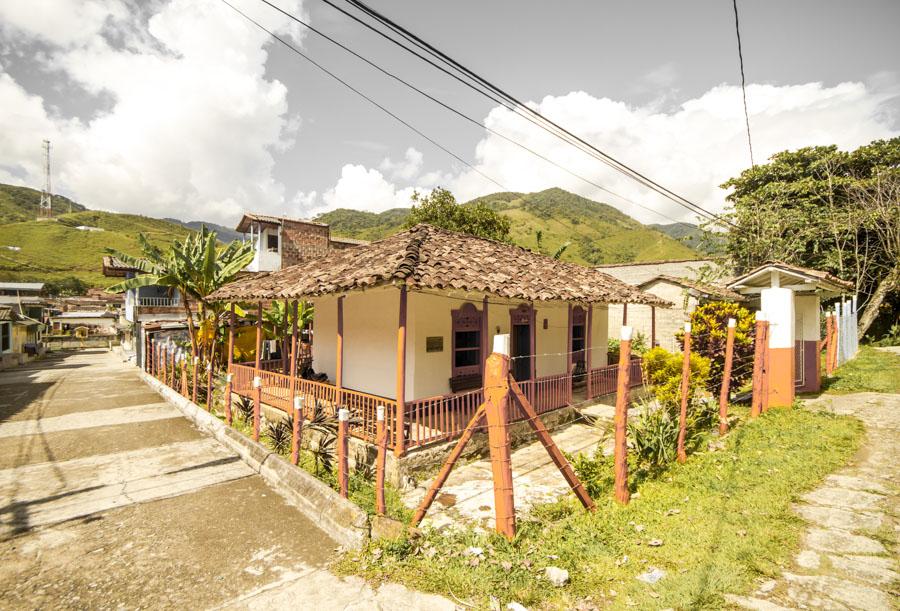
[(55, 249), (598, 233)]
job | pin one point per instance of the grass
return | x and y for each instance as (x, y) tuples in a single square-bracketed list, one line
[(724, 520), (872, 370)]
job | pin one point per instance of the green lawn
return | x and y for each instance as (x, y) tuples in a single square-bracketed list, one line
[(723, 520), (872, 370)]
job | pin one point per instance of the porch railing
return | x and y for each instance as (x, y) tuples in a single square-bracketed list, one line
[(158, 302), (430, 420)]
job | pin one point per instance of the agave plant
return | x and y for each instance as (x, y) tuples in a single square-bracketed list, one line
[(280, 432), (244, 407)]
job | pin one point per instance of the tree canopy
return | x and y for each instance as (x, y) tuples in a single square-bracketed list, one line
[(439, 208), (828, 209)]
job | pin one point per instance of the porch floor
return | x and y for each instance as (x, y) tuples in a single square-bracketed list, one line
[(468, 495)]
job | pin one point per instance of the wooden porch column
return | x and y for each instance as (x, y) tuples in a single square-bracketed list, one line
[(257, 382), (569, 354), (653, 326), (589, 349), (228, 373), (624, 314), (284, 338), (484, 335), (399, 441), (339, 367), (533, 359), (297, 429)]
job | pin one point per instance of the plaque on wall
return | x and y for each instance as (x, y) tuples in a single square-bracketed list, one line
[(434, 344)]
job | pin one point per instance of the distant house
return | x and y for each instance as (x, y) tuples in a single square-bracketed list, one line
[(20, 337), (281, 241), (146, 304), (95, 322), (408, 321)]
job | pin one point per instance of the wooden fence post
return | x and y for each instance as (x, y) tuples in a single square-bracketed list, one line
[(195, 364), (229, 374), (297, 428), (621, 417), (184, 379), (209, 384), (685, 389), (756, 400), (172, 353), (343, 462), (726, 377), (764, 383), (381, 442), (496, 395), (257, 380), (829, 342)]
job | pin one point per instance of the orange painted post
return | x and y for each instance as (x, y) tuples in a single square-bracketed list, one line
[(172, 368), (757, 398), (400, 442), (381, 443), (444, 473), (569, 355), (685, 390), (496, 394), (726, 377), (829, 341), (284, 338), (343, 462), (209, 376), (229, 374), (653, 326), (297, 428), (184, 378), (621, 418), (624, 314), (257, 380), (194, 366), (766, 367)]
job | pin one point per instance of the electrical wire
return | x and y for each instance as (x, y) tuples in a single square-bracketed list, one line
[(542, 121), (737, 29)]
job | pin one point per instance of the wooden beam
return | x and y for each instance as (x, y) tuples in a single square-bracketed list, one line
[(653, 326), (339, 367), (569, 354), (399, 441), (532, 360), (588, 348)]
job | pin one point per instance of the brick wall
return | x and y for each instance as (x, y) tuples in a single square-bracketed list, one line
[(302, 242)]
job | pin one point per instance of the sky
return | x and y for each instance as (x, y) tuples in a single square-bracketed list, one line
[(182, 108)]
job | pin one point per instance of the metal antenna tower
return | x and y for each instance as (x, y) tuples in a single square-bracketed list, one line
[(46, 199)]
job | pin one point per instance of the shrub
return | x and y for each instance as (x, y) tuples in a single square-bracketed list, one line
[(244, 408), (709, 332), (595, 471), (653, 437), (663, 371), (638, 346), (280, 433)]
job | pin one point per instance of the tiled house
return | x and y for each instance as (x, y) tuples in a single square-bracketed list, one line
[(408, 321)]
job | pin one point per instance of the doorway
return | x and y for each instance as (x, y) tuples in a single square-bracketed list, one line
[(520, 337)]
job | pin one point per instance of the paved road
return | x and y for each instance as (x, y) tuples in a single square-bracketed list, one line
[(110, 499)]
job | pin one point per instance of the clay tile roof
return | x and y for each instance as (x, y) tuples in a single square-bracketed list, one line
[(426, 257), (115, 268), (250, 217), (709, 289)]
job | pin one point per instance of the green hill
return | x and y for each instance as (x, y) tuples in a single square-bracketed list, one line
[(56, 249), (598, 233), (691, 235)]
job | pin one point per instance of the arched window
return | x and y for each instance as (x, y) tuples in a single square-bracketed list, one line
[(466, 341)]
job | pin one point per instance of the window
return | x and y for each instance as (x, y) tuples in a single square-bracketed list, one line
[(5, 337), (466, 341), (578, 334), (272, 242)]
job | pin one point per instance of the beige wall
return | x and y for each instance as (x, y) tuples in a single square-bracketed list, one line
[(370, 328), (806, 311), (636, 273), (668, 320)]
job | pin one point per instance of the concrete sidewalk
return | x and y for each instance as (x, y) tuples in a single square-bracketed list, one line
[(109, 499)]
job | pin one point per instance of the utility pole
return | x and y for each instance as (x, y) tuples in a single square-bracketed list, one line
[(46, 210)]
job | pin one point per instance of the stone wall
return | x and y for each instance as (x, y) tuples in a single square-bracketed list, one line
[(302, 242)]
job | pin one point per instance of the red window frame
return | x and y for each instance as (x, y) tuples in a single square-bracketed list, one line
[(466, 319)]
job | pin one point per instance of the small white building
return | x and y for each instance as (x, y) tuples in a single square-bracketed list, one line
[(98, 322)]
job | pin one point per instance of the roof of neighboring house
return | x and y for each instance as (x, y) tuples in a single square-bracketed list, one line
[(818, 277), (344, 240), (88, 314), (23, 299), (703, 288), (426, 257), (116, 268), (21, 286), (660, 262), (250, 217), (9, 314)]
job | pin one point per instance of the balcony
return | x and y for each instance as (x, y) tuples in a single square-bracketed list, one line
[(158, 302)]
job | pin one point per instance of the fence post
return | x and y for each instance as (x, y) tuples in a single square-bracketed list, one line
[(829, 340), (172, 367), (381, 442), (209, 384), (297, 429), (726, 377), (229, 374), (343, 463), (685, 389), (621, 417), (184, 380), (854, 326), (496, 396), (756, 399), (765, 367), (257, 381), (589, 350)]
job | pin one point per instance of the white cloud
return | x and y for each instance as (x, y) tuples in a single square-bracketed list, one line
[(358, 188), (405, 169), (194, 122)]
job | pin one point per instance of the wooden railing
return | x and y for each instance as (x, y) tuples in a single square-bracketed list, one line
[(545, 394), (604, 379), (440, 418)]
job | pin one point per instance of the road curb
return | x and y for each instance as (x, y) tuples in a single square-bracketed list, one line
[(341, 519)]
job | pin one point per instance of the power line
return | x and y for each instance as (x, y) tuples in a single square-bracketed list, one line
[(361, 94), (737, 29), (454, 110), (542, 121)]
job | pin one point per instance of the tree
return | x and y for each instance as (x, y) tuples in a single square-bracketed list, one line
[(709, 332), (439, 208), (827, 209), (196, 267)]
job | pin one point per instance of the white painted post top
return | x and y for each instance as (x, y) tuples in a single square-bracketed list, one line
[(626, 333), (257, 382), (732, 323), (687, 327), (343, 414), (298, 402), (229, 377), (501, 344), (760, 315), (379, 413)]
